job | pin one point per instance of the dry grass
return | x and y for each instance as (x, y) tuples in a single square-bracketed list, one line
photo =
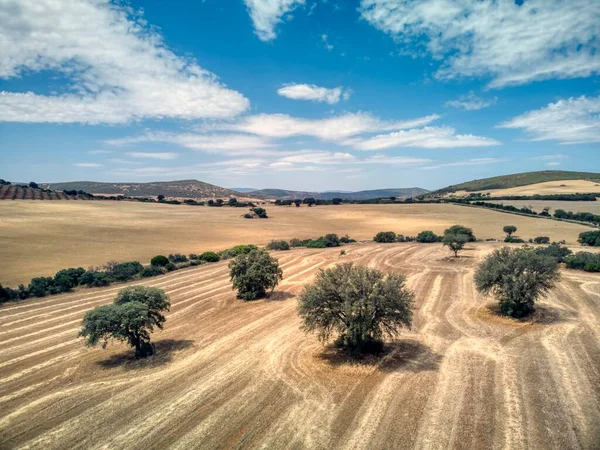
[(539, 205), (39, 238), (242, 375), (550, 187)]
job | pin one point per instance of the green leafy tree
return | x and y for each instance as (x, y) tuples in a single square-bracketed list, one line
[(132, 317), (159, 261), (310, 201), (591, 238), (556, 251), (427, 237), (357, 304), (253, 273), (541, 240), (232, 201), (517, 278), (509, 230), (455, 242), (461, 230), (209, 257), (385, 237), (260, 212)]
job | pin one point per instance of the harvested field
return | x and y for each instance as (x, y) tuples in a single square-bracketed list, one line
[(550, 187), (539, 205), (39, 238), (243, 375)]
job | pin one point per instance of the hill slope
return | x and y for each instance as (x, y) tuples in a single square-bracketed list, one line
[(359, 195), (181, 188), (518, 179)]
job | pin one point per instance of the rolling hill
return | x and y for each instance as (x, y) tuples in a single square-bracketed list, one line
[(181, 189), (518, 179), (283, 194)]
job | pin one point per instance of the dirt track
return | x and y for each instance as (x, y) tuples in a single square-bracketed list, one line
[(242, 375)]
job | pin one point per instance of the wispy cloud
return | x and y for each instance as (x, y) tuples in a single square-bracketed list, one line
[(88, 165), (470, 162), (326, 43), (314, 93), (151, 155), (267, 14), (471, 102), (512, 42)]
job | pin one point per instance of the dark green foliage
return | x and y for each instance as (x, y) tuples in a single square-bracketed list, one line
[(556, 251), (295, 242), (209, 257), (253, 273), (358, 304), (123, 271), (541, 240), (509, 230), (329, 240), (160, 197), (310, 201), (159, 261), (232, 201), (591, 238), (400, 238), (152, 271), (260, 212), (513, 240), (455, 242), (40, 286), (385, 237), (462, 230), (67, 279), (278, 245), (178, 258), (336, 201), (583, 261), (8, 294), (428, 237), (345, 239), (171, 267), (248, 216), (517, 278), (237, 250), (131, 318), (94, 279), (33, 184), (579, 216)]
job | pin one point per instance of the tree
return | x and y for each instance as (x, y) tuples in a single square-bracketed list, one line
[(209, 257), (591, 238), (509, 230), (131, 318), (358, 304), (455, 242), (159, 261), (253, 273), (232, 201), (541, 240), (278, 245), (427, 237), (160, 197), (297, 203), (260, 212), (460, 229), (385, 237), (309, 201), (517, 278), (556, 251), (34, 185), (336, 201)]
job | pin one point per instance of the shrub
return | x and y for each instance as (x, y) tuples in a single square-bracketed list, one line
[(248, 216), (400, 238), (260, 212), (40, 286), (591, 238), (124, 271), (178, 258), (237, 250), (592, 267), (315, 243), (67, 279), (171, 267), (131, 318), (253, 273), (428, 237), (513, 240), (159, 261), (331, 240), (582, 259), (517, 278), (278, 245), (296, 243), (209, 257), (345, 239), (556, 251), (541, 240), (385, 237), (342, 252), (455, 242), (152, 271), (358, 304), (461, 230), (509, 230), (94, 279)]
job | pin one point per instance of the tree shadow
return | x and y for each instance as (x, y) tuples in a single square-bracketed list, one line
[(543, 315), (279, 296), (164, 353), (403, 356)]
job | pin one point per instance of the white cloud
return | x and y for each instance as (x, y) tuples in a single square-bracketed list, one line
[(548, 157), (512, 43), (211, 143), (151, 155), (88, 165), (331, 129), (318, 157), (471, 102), (280, 164), (314, 93), (427, 137), (395, 160), (326, 43), (571, 121), (267, 14), (118, 67), (553, 164), (99, 152), (470, 162)]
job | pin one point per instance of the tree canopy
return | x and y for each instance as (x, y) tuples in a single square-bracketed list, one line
[(358, 304), (461, 230), (455, 242), (517, 278), (253, 273), (509, 230)]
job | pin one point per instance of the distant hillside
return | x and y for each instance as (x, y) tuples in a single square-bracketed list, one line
[(23, 191), (283, 194), (518, 179), (181, 189)]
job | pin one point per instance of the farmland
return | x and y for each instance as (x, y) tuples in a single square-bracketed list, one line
[(545, 188), (539, 205), (39, 238), (230, 374)]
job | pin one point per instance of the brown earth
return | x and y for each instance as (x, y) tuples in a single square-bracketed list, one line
[(230, 374), (40, 238)]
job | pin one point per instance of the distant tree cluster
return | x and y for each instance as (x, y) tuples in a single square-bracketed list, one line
[(591, 238)]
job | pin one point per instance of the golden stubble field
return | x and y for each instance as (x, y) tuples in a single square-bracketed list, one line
[(243, 375), (549, 187), (38, 238)]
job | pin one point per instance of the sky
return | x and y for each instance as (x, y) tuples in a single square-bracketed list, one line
[(298, 94)]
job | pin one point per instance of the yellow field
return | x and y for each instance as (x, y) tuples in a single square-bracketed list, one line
[(39, 238), (551, 187), (539, 205), (230, 374)]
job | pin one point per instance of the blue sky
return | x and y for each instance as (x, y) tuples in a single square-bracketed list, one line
[(298, 94)]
